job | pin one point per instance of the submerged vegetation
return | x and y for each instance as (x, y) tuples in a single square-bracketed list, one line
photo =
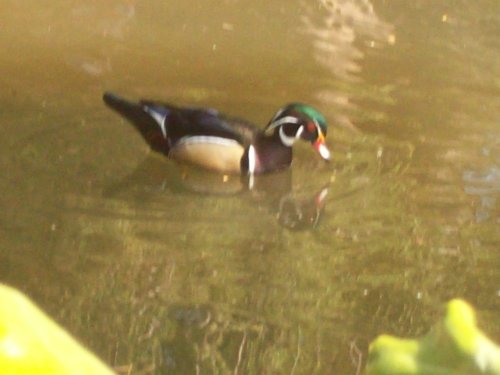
[(31, 343)]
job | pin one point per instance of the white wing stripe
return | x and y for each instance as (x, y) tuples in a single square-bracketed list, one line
[(159, 118), (197, 139)]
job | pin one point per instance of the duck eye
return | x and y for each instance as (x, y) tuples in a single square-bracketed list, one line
[(311, 127)]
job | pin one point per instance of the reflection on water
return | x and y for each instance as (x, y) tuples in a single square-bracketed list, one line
[(338, 30), (485, 184), (159, 269), (274, 192)]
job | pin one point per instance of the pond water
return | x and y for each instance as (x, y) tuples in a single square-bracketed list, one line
[(163, 269)]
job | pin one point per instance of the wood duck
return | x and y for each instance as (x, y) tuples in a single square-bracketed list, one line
[(212, 140)]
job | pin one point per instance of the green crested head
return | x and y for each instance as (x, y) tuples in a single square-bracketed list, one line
[(312, 113), (300, 121), (303, 112)]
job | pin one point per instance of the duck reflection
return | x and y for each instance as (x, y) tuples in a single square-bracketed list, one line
[(294, 210), (486, 186), (483, 181), (205, 339), (179, 354)]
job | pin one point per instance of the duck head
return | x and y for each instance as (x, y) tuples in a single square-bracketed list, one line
[(300, 121)]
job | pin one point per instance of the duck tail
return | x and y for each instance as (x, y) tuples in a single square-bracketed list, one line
[(149, 121)]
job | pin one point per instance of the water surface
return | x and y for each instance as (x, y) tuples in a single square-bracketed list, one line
[(163, 269)]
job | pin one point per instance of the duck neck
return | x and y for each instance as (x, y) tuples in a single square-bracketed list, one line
[(266, 154)]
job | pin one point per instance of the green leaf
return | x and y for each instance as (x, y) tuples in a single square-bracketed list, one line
[(32, 343), (454, 346)]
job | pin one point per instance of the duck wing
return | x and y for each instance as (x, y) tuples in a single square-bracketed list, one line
[(162, 125), (196, 121)]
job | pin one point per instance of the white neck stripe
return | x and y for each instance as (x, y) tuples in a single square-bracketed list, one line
[(252, 160)]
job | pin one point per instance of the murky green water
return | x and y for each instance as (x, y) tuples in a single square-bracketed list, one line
[(163, 270)]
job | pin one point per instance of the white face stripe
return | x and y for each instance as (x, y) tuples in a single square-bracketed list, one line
[(160, 119), (278, 114), (317, 127), (281, 121), (299, 131), (287, 140)]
